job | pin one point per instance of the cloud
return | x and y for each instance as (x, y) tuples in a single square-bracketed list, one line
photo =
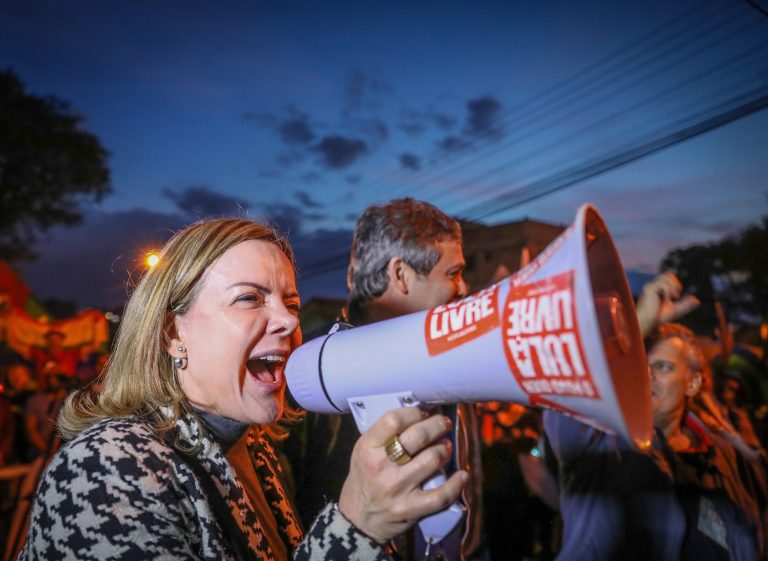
[(337, 151), (317, 275), (290, 220), (296, 130), (410, 161), (201, 201), (453, 144), (105, 270), (364, 93), (415, 123), (483, 117), (482, 121), (270, 173), (375, 129), (290, 158), (264, 120), (311, 177), (353, 178), (412, 127), (443, 121), (307, 200), (292, 126)]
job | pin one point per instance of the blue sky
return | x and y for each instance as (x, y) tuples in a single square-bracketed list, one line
[(306, 112)]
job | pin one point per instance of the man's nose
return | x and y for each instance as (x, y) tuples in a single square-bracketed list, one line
[(462, 288)]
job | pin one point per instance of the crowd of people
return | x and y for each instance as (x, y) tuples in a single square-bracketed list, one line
[(185, 447)]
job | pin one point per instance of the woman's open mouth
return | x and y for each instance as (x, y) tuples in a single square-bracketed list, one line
[(267, 368)]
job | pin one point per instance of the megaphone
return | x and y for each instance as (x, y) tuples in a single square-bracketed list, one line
[(561, 333)]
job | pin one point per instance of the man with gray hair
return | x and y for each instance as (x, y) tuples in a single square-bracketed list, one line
[(406, 257)]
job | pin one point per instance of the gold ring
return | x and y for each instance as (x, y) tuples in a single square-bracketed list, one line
[(396, 451)]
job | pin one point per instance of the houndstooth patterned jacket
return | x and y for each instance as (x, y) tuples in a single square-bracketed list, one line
[(118, 492)]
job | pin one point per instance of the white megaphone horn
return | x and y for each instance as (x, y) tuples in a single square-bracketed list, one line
[(561, 333)]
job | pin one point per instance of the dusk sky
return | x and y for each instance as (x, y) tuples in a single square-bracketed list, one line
[(305, 113)]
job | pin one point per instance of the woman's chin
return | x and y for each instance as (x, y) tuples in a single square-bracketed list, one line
[(264, 413)]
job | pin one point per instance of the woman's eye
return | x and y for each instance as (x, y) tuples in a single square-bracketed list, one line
[(248, 298), (295, 309)]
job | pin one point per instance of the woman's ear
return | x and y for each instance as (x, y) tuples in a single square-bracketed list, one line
[(174, 335), (398, 272)]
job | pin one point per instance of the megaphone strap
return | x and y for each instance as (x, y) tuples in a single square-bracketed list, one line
[(320, 372)]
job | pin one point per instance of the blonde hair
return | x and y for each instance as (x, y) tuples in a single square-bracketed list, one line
[(139, 378)]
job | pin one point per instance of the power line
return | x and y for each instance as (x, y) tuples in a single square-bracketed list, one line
[(756, 101), (612, 77), (717, 72), (570, 84), (642, 147), (565, 90)]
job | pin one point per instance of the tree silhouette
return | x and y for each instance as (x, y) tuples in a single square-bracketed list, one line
[(733, 271), (49, 167)]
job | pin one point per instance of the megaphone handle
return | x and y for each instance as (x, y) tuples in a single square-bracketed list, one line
[(437, 526), (366, 410)]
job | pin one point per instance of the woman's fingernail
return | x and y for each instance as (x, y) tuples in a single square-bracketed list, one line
[(447, 422)]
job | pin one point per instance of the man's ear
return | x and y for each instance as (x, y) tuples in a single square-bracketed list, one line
[(399, 274), (694, 384)]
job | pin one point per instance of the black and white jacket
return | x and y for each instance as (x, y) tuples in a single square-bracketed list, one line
[(118, 492)]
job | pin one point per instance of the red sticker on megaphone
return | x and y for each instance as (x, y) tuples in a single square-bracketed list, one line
[(542, 340), (454, 324)]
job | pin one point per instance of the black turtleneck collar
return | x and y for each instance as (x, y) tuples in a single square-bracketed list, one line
[(226, 431)]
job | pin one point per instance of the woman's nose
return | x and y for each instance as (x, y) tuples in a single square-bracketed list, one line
[(283, 322)]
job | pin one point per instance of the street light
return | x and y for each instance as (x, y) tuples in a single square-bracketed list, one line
[(152, 259)]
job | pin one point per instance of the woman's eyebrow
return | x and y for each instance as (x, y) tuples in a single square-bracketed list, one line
[(260, 287), (255, 285)]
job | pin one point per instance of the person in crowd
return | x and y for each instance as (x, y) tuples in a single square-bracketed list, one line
[(406, 257), (7, 429), (729, 420), (41, 410), (55, 356), (173, 458), (520, 496), (721, 489), (688, 498), (18, 388), (733, 396)]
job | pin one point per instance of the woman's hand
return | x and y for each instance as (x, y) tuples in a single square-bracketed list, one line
[(382, 498)]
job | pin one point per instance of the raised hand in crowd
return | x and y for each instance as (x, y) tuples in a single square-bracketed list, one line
[(662, 301)]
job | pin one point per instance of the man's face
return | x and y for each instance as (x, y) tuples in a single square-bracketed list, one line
[(443, 284), (672, 379)]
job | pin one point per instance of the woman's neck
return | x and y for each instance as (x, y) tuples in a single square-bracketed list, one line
[(226, 431)]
